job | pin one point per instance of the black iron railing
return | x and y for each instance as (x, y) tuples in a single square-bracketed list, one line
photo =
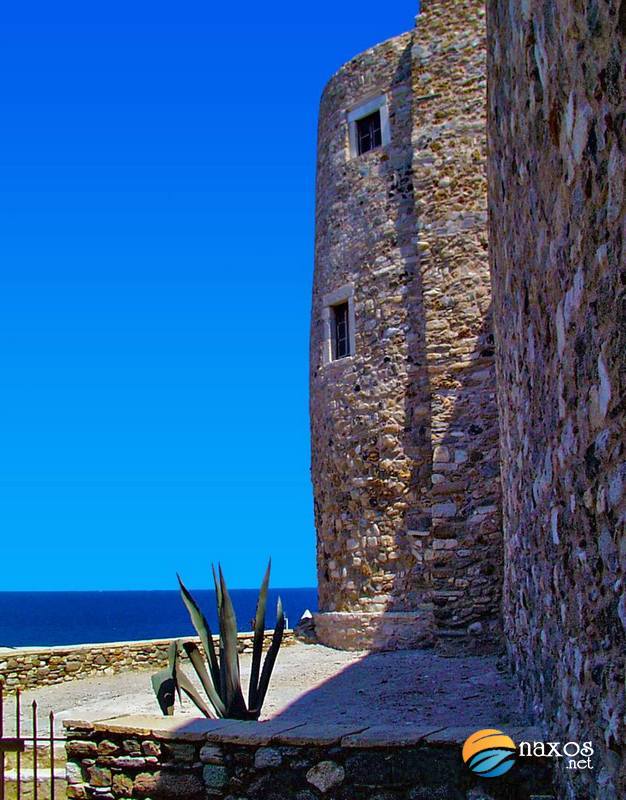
[(40, 744)]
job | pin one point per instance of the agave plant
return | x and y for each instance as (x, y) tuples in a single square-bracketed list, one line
[(219, 674)]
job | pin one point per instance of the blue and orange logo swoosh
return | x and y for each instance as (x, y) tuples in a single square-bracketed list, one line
[(489, 753)]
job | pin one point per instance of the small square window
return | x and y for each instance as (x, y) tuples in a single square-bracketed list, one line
[(368, 126), (341, 331), (338, 321), (369, 132)]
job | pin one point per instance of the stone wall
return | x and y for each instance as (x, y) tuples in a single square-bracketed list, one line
[(459, 537), (168, 759), (557, 128), (30, 667), (404, 431)]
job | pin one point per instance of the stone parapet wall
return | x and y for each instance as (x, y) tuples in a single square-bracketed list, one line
[(360, 630), (557, 129), (30, 667), (168, 759)]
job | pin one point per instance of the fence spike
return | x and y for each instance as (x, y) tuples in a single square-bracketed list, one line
[(1, 735), (17, 743), (52, 755), (18, 733), (35, 753)]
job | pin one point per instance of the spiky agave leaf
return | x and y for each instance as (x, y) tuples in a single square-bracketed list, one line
[(218, 591), (203, 630), (270, 658), (259, 635), (195, 656), (183, 682), (164, 682), (218, 601), (228, 701), (235, 704)]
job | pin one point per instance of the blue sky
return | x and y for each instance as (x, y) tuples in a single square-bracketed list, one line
[(157, 165)]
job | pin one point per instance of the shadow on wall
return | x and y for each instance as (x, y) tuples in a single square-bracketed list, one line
[(410, 583), (449, 545), (453, 531)]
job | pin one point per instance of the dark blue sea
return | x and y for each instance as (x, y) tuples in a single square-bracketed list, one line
[(48, 618)]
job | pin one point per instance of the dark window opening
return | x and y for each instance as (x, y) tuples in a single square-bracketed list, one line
[(341, 331), (369, 132)]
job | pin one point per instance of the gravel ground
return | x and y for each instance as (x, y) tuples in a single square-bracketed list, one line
[(317, 684)]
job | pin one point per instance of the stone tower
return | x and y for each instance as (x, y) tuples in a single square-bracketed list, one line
[(403, 411)]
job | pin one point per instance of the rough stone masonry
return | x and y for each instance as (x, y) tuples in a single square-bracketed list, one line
[(30, 667), (557, 134), (405, 461), (404, 428), (152, 759)]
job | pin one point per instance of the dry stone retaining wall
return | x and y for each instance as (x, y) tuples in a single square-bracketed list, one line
[(557, 128), (168, 759), (30, 667), (404, 431)]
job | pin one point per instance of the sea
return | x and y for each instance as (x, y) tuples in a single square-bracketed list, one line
[(60, 618)]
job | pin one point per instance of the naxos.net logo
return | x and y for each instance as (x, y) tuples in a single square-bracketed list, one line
[(491, 753)]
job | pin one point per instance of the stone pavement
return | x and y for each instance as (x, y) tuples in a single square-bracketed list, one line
[(321, 685)]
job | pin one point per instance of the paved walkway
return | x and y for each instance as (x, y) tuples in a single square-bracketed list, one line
[(316, 684)]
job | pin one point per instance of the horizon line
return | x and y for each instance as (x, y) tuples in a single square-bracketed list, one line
[(195, 589)]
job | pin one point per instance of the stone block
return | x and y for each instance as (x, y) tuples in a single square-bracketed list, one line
[(73, 773), (107, 747), (444, 510), (211, 754), (441, 454), (170, 785), (131, 746), (445, 544), (80, 749), (99, 776), (267, 757), (146, 784), (76, 792), (122, 785), (326, 775), (123, 762), (183, 753), (215, 776), (151, 748)]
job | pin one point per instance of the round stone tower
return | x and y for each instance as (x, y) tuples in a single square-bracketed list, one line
[(401, 369), (368, 425)]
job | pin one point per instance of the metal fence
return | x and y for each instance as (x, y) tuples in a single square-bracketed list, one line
[(27, 762)]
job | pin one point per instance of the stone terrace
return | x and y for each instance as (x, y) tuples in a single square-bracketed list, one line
[(385, 725), (317, 684)]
